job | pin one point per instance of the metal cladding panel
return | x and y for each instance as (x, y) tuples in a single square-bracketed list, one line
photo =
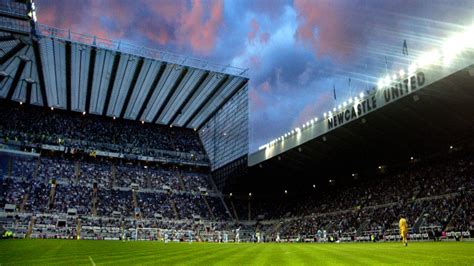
[(162, 89), (144, 82), (7, 46), (182, 92), (10, 68), (201, 94), (123, 78), (53, 54), (227, 89), (80, 58), (19, 93), (104, 61)]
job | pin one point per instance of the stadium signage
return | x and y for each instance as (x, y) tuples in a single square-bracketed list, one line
[(403, 87), (353, 112), (363, 106)]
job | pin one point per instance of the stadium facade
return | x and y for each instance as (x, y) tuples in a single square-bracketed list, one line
[(107, 140)]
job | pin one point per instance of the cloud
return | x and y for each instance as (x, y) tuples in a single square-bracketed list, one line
[(265, 87), (330, 27), (254, 28), (200, 29)]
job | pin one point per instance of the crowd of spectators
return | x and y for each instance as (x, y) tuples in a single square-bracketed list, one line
[(431, 194), (79, 182), (35, 125)]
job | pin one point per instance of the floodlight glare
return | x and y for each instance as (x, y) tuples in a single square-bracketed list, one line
[(381, 83), (402, 73), (412, 68)]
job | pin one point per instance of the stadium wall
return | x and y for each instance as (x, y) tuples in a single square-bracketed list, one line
[(225, 136)]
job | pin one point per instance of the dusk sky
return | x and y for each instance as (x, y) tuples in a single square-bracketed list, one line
[(297, 51)]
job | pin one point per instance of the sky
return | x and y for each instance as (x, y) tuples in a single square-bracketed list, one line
[(298, 51)]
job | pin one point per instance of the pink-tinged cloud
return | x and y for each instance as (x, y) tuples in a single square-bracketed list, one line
[(200, 25), (265, 86), (256, 101), (255, 61), (264, 37), (328, 27), (314, 109), (254, 28), (82, 17)]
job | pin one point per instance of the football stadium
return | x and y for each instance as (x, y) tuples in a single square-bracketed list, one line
[(115, 153)]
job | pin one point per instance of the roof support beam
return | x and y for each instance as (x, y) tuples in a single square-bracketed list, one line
[(29, 87), (183, 104), (39, 67), (7, 38), (150, 91), (68, 76), (138, 69), (16, 79), (90, 78), (11, 53), (209, 97), (236, 90), (111, 83), (170, 93)]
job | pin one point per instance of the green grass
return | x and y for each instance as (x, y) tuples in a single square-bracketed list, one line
[(72, 252)]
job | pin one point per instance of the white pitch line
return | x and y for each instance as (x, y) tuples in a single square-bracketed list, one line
[(92, 261)]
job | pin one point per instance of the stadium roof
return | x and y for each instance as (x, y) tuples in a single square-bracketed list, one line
[(83, 73), (433, 118)]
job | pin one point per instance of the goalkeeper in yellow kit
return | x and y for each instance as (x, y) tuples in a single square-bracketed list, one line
[(404, 230)]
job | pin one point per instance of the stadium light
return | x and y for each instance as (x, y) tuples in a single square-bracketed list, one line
[(381, 83), (315, 119), (52, 108), (412, 68), (314, 186), (21, 103), (451, 147), (312, 121), (304, 125), (286, 191), (401, 73), (325, 115), (297, 129), (250, 194), (292, 131), (171, 126), (339, 107), (84, 113), (307, 124), (230, 194), (334, 109), (387, 80), (361, 95), (344, 104), (114, 117), (411, 158), (330, 113), (350, 100)]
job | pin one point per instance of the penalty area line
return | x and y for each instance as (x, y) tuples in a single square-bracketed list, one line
[(92, 261)]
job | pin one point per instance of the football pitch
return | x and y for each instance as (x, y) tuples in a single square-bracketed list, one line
[(84, 252)]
